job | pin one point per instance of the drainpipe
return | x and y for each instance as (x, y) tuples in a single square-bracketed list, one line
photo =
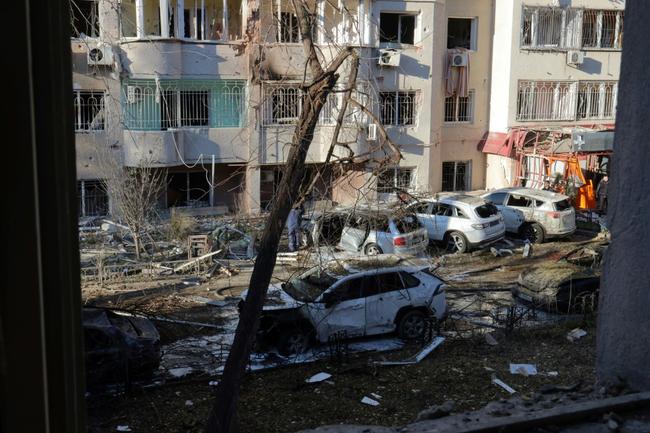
[(139, 18), (164, 18)]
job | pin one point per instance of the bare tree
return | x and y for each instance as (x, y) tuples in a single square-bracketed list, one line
[(320, 80), (133, 191)]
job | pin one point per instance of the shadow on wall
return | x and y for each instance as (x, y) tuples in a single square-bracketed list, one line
[(591, 66)]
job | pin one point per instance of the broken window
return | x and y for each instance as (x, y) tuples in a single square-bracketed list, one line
[(84, 18), (151, 105), (567, 28), (597, 100), (461, 33), (546, 100), (88, 110), (398, 108), (520, 201), (456, 175), (602, 29), (460, 109), (395, 179), (92, 198), (397, 28)]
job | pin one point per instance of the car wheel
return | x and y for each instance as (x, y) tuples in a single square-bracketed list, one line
[(456, 242), (412, 325), (293, 342), (373, 250), (533, 232)]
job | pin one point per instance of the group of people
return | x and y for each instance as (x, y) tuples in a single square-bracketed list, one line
[(601, 192)]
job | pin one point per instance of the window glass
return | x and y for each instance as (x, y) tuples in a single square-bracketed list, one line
[(496, 198), (348, 290), (562, 205), (442, 209), (407, 224), (409, 280), (389, 282), (461, 214), (420, 208), (397, 28)]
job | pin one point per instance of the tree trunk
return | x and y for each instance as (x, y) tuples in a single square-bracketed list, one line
[(223, 414), (136, 241)]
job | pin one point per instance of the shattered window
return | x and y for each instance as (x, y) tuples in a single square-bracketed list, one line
[(84, 18), (496, 198), (487, 210), (407, 224), (348, 290), (562, 205), (397, 28), (460, 33), (409, 280), (519, 201)]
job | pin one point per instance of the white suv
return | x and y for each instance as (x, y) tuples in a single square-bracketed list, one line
[(545, 214), (354, 298), (461, 221)]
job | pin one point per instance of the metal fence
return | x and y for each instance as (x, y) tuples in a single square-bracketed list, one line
[(150, 105), (283, 105), (597, 100)]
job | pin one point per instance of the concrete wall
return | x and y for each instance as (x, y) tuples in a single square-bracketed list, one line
[(460, 141), (623, 319)]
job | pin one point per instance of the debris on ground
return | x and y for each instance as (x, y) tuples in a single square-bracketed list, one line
[(320, 377), (426, 350), (369, 401), (438, 411), (523, 369), (502, 384), (576, 334)]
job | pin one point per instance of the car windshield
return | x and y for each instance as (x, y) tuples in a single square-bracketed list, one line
[(407, 223), (308, 286), (562, 205), (487, 210)]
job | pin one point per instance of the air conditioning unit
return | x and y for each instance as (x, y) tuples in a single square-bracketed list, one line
[(575, 57), (99, 54), (373, 131), (459, 59), (388, 57)]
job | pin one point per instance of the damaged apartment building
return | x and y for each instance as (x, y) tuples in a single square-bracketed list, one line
[(210, 91), (553, 108)]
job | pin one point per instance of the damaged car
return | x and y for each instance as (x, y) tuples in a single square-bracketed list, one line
[(461, 222), (353, 299), (367, 231), (119, 347)]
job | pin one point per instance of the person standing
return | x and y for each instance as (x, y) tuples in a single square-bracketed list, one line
[(293, 225), (601, 193)]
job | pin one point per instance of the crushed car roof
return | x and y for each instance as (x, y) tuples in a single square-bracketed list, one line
[(456, 197), (382, 263)]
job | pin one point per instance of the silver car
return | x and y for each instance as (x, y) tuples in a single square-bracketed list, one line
[(370, 232), (545, 214)]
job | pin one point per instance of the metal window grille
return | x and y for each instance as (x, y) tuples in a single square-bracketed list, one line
[(84, 18), (456, 175), (395, 179), (597, 100), (288, 27), (460, 109), (283, 105), (88, 110), (183, 103), (546, 100), (398, 108), (568, 28), (92, 198)]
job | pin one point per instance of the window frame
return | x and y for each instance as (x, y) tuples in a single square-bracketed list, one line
[(400, 14), (395, 175), (473, 38), (395, 106), (78, 111), (471, 95), (468, 175)]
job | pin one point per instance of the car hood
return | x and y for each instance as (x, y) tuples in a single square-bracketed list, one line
[(277, 299)]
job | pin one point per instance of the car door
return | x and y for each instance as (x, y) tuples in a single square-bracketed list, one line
[(520, 207), (423, 212), (441, 214), (342, 309), (354, 233), (384, 295)]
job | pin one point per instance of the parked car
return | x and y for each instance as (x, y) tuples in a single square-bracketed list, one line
[(545, 214), (118, 348), (461, 221), (364, 297), (368, 231)]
